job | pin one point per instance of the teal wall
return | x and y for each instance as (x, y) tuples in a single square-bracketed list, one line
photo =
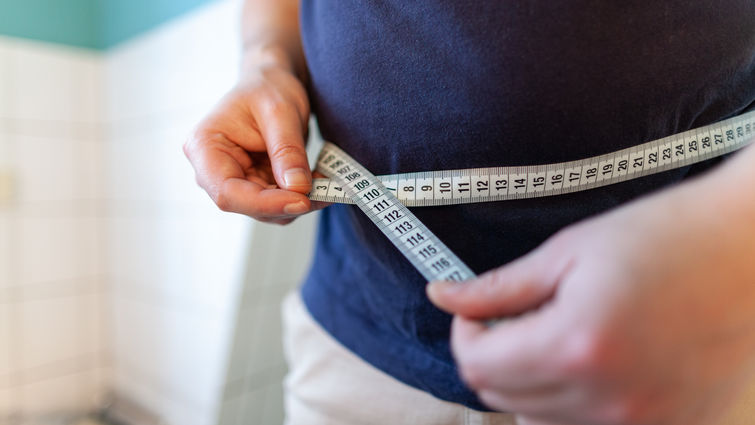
[(122, 19), (61, 21), (94, 24)]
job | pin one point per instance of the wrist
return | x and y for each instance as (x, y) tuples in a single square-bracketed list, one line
[(258, 55)]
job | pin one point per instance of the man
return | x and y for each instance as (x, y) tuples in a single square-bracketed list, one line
[(642, 312)]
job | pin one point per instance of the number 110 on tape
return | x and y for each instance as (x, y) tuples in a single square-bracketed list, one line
[(433, 259)]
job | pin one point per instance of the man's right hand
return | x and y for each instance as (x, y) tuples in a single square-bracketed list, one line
[(249, 154)]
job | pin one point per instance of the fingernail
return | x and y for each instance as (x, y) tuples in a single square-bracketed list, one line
[(296, 177), (296, 208)]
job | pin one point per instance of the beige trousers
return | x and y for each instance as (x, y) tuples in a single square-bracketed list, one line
[(329, 385)]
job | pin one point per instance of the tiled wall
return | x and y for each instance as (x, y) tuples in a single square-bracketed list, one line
[(121, 275), (278, 259), (175, 263), (194, 263), (52, 328)]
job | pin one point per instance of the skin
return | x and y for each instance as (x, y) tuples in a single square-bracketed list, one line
[(643, 315), (249, 152)]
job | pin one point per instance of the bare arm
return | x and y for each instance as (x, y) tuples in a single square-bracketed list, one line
[(270, 34), (248, 153)]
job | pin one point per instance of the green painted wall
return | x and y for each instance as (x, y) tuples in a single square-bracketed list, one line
[(123, 19), (59, 21), (95, 24)]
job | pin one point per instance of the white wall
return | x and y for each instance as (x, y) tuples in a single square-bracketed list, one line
[(52, 333), (200, 287), (278, 259), (174, 262), (117, 273)]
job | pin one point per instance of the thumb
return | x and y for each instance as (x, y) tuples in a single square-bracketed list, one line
[(283, 129), (514, 288)]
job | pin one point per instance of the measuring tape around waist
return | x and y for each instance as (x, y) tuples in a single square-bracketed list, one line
[(450, 187), (385, 198)]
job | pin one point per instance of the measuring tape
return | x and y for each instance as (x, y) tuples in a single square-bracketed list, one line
[(385, 198), (420, 246)]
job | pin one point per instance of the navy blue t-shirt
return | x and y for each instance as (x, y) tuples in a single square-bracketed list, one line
[(408, 86)]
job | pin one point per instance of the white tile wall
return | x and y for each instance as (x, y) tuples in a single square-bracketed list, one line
[(7, 403), (47, 168), (243, 346), (180, 350), (182, 67), (61, 394), (5, 254), (5, 352), (6, 152), (116, 271), (170, 177), (278, 259), (48, 331), (51, 249), (266, 353), (4, 76), (253, 406), (171, 408), (51, 340), (51, 83), (230, 411), (42, 88), (6, 166), (90, 170), (177, 264)]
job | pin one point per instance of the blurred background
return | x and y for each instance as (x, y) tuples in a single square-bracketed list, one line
[(125, 296)]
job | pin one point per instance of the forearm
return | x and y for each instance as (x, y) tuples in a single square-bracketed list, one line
[(270, 35)]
